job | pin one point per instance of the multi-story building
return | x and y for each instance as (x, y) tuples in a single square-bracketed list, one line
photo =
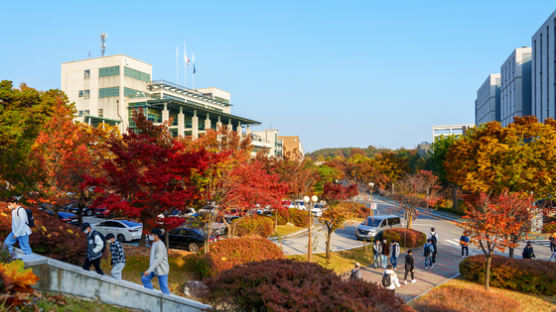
[(448, 130), (267, 141), (544, 70), (515, 86), (109, 89), (292, 146), (487, 104)]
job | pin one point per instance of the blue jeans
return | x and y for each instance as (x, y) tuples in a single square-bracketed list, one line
[(377, 261), (162, 282), (23, 243), (384, 261), (428, 261), (394, 261)]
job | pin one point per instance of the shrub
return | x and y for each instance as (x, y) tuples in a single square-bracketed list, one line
[(549, 227), (359, 210), (282, 216), (227, 253), (286, 285), (413, 238), (453, 298), (298, 217), (256, 225), (51, 237), (529, 276)]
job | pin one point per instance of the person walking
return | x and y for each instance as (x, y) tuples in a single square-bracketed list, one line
[(356, 272), (385, 253), (464, 242), (394, 253), (428, 252), (20, 229), (158, 263), (552, 240), (528, 252), (390, 279), (409, 266), (118, 256), (95, 248), (433, 236), (553, 256), (377, 251)]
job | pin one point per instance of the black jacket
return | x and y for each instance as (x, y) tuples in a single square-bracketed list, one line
[(528, 252), (409, 262)]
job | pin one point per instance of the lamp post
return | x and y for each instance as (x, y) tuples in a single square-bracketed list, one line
[(309, 202), (371, 185)]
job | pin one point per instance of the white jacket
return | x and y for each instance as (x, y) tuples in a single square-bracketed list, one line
[(158, 262), (19, 222), (395, 282)]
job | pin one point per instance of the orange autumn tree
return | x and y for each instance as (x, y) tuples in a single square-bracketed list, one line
[(490, 222)]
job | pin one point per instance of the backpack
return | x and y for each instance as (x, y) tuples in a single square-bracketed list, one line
[(101, 237), (30, 219), (353, 274), (427, 250), (386, 280), (433, 239)]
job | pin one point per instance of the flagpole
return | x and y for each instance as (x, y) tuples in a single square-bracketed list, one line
[(177, 66), (184, 65)]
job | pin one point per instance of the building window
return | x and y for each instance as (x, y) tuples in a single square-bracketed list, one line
[(86, 94), (100, 112), (109, 71), (80, 113), (80, 93), (136, 74), (108, 92), (86, 74), (132, 93)]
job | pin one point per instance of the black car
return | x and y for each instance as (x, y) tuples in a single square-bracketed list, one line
[(188, 239)]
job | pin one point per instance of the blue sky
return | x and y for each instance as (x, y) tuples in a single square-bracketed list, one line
[(336, 73)]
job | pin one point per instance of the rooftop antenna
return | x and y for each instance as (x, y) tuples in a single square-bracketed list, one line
[(103, 37)]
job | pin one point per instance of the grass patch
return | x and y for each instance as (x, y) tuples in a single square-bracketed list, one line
[(45, 302), (341, 261), (461, 295), (283, 230)]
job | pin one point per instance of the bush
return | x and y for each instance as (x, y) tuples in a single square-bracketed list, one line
[(360, 211), (286, 285), (227, 253), (256, 225), (282, 216), (549, 227), (529, 276), (51, 237), (413, 238), (298, 217)]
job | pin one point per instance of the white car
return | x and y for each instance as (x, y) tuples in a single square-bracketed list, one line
[(299, 204), (316, 211), (123, 230)]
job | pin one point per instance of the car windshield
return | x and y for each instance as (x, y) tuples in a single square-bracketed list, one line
[(373, 222)]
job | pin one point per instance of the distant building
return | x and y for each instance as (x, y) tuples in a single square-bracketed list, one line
[(544, 70), (292, 146), (448, 130), (515, 86), (487, 104), (268, 142), (423, 149)]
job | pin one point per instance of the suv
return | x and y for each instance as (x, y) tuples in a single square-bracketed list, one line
[(375, 224)]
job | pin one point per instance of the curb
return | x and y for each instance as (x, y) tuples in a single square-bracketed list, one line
[(277, 238)]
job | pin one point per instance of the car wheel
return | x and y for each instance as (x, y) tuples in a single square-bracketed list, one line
[(193, 247), (120, 238), (89, 213)]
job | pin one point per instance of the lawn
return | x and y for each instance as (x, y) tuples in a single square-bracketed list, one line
[(283, 230), (341, 261), (461, 295)]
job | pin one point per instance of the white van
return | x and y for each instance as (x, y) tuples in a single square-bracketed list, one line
[(376, 224)]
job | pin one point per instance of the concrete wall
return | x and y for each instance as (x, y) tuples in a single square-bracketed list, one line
[(60, 277)]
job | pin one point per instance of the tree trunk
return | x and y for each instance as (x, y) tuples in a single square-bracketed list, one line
[(166, 239), (207, 237), (143, 240), (511, 252), (487, 271), (328, 240), (455, 198)]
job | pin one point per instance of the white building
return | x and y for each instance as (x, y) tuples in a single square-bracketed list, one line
[(515, 86), (544, 70), (109, 89), (487, 104), (448, 130), (268, 142)]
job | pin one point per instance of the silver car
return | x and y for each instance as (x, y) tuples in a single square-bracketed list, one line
[(375, 224), (123, 230)]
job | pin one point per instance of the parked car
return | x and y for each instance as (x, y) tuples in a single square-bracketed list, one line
[(299, 204), (373, 225), (66, 217), (123, 230), (316, 211), (188, 238)]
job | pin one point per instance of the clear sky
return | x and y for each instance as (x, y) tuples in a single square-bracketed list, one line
[(336, 73)]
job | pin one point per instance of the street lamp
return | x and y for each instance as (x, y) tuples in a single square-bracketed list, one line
[(309, 202), (371, 185)]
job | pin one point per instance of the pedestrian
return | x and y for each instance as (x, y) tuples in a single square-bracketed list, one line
[(20, 229), (409, 266), (118, 256), (377, 251), (528, 252), (356, 272), (553, 256), (394, 253), (95, 248), (385, 253), (390, 279), (552, 240), (428, 252), (464, 242), (434, 241), (158, 263)]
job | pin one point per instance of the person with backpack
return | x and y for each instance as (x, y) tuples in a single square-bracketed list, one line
[(118, 256), (158, 263), (95, 248), (377, 251), (528, 252), (428, 252), (385, 253), (409, 266), (394, 253), (356, 272), (464, 242), (434, 241), (390, 279), (21, 228)]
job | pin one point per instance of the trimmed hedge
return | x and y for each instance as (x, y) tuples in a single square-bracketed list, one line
[(255, 225), (413, 238), (286, 285), (529, 276)]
